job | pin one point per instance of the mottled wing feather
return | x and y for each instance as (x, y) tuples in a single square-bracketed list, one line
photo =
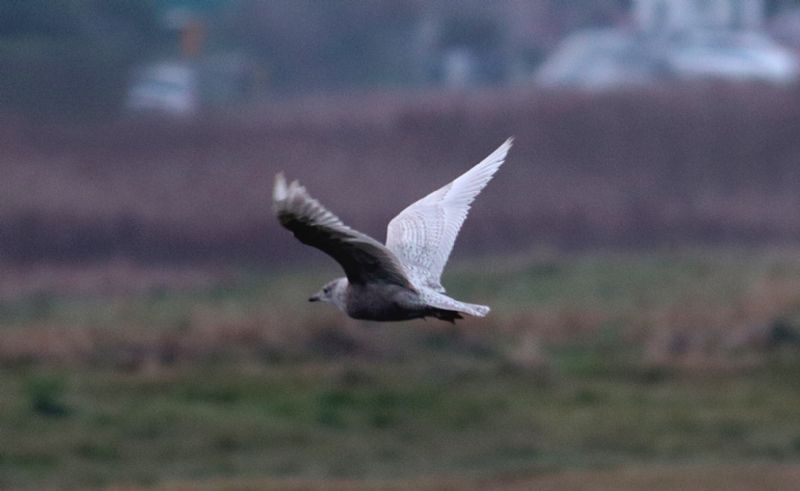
[(363, 258), (422, 236)]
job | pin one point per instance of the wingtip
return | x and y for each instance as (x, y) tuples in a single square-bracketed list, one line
[(498, 157), (280, 190), (506, 146)]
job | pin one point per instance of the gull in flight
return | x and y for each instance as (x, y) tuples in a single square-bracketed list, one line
[(402, 279)]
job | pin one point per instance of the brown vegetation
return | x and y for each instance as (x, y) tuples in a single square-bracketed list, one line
[(667, 165)]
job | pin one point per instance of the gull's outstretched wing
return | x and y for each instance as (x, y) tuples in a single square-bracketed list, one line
[(363, 258), (422, 235)]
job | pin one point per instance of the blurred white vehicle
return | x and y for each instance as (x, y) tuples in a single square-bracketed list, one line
[(607, 59), (741, 57), (598, 59), (167, 88)]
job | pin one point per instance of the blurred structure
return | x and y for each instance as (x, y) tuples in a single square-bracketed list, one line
[(192, 77), (71, 59), (674, 40), (487, 43), (89, 59)]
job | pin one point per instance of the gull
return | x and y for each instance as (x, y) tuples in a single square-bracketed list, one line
[(400, 280)]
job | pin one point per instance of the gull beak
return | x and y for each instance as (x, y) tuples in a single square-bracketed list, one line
[(314, 298)]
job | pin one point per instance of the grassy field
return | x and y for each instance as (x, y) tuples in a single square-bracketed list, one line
[(671, 370)]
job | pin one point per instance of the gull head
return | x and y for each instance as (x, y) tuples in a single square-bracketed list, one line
[(334, 292)]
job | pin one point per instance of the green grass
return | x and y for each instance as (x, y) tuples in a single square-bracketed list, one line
[(262, 386), (418, 417), (605, 282)]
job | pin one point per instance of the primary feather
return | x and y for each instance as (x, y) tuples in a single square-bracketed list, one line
[(363, 258)]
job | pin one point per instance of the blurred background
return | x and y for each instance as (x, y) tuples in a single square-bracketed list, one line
[(640, 248)]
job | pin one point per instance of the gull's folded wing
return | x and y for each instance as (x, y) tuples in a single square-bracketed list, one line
[(422, 235), (363, 258)]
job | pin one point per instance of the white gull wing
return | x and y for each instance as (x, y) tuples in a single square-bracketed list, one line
[(422, 235), (364, 259)]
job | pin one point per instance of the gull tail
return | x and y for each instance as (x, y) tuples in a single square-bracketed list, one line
[(448, 309), (473, 309)]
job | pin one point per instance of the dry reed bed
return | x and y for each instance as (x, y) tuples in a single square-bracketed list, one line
[(663, 165)]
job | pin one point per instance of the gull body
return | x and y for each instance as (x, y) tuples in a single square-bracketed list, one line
[(400, 280)]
